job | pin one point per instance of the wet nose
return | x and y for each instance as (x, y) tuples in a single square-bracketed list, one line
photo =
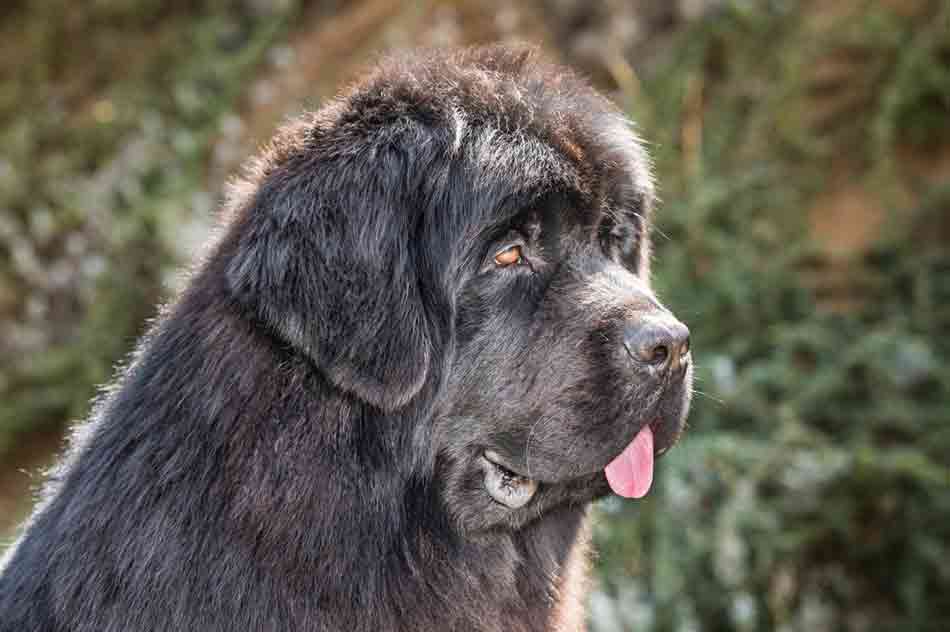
[(660, 341)]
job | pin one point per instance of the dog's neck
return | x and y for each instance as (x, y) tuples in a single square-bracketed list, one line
[(534, 579)]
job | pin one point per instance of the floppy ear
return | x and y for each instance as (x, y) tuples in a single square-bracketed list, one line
[(325, 259)]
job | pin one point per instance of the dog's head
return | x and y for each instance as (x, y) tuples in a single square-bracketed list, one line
[(473, 229)]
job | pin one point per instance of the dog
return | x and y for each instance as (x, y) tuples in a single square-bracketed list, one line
[(422, 344)]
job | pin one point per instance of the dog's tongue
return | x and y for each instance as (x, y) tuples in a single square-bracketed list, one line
[(631, 474)]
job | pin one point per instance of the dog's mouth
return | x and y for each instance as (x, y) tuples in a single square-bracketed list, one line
[(629, 474)]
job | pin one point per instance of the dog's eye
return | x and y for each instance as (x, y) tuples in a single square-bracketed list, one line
[(511, 255)]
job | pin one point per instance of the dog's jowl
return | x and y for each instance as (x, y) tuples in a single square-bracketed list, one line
[(423, 343)]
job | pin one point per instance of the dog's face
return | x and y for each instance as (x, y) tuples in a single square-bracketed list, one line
[(565, 363), (465, 240)]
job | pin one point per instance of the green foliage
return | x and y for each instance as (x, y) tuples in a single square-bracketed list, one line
[(812, 491), (107, 112)]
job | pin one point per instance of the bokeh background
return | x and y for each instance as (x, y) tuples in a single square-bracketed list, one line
[(803, 155)]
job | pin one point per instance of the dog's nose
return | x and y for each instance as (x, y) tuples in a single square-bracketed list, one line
[(659, 341)]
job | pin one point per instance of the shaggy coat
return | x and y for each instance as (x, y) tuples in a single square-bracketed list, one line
[(306, 437)]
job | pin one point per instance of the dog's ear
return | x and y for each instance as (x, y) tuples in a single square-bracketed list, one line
[(326, 259)]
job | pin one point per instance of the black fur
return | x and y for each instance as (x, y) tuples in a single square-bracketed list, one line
[(295, 444)]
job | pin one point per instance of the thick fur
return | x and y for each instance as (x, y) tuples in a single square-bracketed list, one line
[(296, 444)]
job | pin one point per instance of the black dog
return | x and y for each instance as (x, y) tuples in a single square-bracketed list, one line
[(423, 344)]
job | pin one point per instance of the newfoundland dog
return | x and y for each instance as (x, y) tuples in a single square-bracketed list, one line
[(422, 344)]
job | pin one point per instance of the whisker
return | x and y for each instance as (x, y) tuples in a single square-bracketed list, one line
[(708, 396)]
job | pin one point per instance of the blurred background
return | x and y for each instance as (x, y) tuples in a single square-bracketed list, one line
[(803, 156)]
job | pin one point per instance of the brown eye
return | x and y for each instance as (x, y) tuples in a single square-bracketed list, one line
[(509, 256)]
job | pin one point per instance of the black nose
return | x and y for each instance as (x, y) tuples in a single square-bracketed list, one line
[(659, 341)]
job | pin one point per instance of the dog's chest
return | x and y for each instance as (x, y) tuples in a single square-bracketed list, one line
[(573, 583), (551, 576)]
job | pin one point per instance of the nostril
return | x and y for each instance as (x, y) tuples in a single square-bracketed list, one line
[(661, 342)]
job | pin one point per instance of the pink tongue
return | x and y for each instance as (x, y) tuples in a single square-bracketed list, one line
[(631, 474)]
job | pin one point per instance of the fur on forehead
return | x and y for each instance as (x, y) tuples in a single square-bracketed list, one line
[(480, 94)]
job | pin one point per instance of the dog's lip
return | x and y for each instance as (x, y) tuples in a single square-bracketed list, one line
[(660, 449), (499, 461), (667, 433)]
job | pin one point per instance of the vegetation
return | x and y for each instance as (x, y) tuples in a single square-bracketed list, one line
[(813, 489), (107, 114)]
